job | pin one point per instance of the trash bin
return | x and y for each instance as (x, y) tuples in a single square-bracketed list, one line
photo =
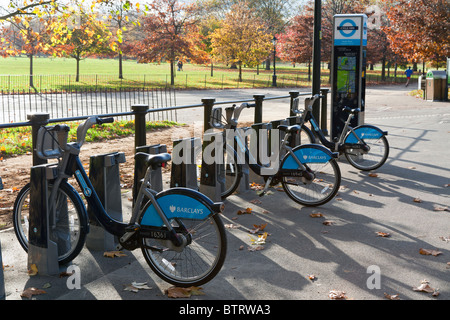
[(436, 86)]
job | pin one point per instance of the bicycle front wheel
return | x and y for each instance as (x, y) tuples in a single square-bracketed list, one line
[(321, 189), (198, 262), (372, 159), (70, 227)]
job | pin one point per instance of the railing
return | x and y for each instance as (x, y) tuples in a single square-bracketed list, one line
[(139, 112)]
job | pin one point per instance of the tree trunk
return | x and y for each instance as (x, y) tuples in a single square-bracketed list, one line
[(240, 71), (268, 64), (309, 70), (383, 69), (31, 71), (77, 77), (120, 65)]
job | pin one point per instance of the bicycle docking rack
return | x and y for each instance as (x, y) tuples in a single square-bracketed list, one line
[(42, 249), (140, 168), (212, 178), (184, 167), (2, 278), (105, 178)]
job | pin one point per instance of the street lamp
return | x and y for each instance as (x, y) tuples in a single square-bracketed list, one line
[(274, 77)]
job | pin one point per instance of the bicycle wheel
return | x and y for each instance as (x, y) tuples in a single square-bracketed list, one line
[(372, 159), (232, 171), (71, 226), (306, 135), (321, 189), (195, 264)]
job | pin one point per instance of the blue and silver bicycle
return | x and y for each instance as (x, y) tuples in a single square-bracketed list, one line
[(179, 230), (365, 147)]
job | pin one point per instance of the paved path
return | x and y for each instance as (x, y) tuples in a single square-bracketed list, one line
[(342, 256)]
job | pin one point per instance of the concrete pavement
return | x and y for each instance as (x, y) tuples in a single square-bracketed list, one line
[(345, 255)]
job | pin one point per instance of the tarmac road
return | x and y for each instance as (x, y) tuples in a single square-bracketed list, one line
[(346, 255)]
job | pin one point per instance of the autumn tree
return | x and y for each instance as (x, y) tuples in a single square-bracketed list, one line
[(242, 39), (170, 34), (296, 43), (86, 36), (420, 29)]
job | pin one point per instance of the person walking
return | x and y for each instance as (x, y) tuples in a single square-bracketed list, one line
[(408, 73)]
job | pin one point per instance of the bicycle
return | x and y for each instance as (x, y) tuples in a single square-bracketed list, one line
[(179, 230), (309, 174), (365, 147)]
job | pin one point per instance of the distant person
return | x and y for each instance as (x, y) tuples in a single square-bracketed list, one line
[(408, 73), (180, 66)]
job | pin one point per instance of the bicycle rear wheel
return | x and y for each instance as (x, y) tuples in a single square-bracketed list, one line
[(195, 264), (70, 228), (318, 191)]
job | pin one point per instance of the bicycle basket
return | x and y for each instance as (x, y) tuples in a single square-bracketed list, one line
[(216, 118), (51, 141)]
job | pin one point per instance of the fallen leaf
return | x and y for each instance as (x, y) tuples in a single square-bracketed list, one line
[(373, 174), (439, 208), (29, 292), (339, 199), (383, 234), (113, 254), (312, 277), (241, 247), (246, 211), (327, 222), (424, 287), (316, 215), (47, 285), (33, 270), (256, 248), (412, 167), (418, 200), (257, 228), (65, 274), (230, 226), (446, 239), (261, 239), (391, 297), (135, 287), (256, 201), (337, 295), (177, 292), (427, 252)]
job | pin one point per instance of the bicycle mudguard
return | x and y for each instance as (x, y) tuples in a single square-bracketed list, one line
[(364, 132), (180, 203), (307, 153)]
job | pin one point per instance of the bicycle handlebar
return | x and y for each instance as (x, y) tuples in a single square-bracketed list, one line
[(84, 127)]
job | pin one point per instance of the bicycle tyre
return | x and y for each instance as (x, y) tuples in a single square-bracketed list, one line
[(375, 158), (307, 136), (319, 191), (233, 172), (198, 263), (77, 215)]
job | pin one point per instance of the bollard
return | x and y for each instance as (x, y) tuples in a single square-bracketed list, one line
[(140, 111), (105, 178), (323, 117), (37, 120), (212, 176), (259, 98), (260, 129), (184, 166), (244, 183), (140, 168), (293, 94), (2, 278), (42, 250)]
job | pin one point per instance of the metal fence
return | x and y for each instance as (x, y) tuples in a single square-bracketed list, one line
[(15, 105)]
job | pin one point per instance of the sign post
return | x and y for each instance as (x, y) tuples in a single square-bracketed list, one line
[(348, 69)]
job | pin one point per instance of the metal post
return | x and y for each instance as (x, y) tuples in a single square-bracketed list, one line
[(42, 250), (105, 177), (37, 120), (293, 94), (140, 110), (316, 56), (259, 98), (324, 112), (184, 167), (208, 104)]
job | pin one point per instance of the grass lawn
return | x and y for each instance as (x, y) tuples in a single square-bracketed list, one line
[(59, 74)]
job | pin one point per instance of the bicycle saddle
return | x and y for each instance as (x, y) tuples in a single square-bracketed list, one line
[(286, 128), (154, 160), (352, 111)]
